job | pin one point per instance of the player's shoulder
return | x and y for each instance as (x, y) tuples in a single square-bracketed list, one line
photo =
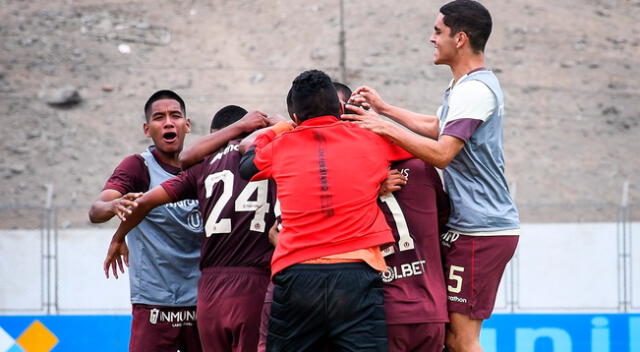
[(471, 87), (225, 157), (132, 162), (472, 95)]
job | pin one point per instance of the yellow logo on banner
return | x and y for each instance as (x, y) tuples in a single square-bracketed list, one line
[(37, 338)]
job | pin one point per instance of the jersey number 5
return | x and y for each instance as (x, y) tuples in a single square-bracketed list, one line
[(260, 205)]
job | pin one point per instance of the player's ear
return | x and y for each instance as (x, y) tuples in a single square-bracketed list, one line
[(145, 128), (461, 39), (295, 118), (188, 125)]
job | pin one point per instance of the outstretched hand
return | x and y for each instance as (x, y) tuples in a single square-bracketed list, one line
[(117, 254), (123, 206)]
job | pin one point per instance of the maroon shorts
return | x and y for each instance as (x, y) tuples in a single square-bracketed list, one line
[(423, 337), (160, 329), (473, 267), (230, 301)]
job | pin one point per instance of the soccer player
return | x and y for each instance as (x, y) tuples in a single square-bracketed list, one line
[(236, 251), (325, 266), (484, 223), (165, 246), (415, 295)]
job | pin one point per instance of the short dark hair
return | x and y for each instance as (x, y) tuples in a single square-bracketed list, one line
[(163, 94), (290, 103), (470, 17), (226, 116), (342, 88), (313, 95)]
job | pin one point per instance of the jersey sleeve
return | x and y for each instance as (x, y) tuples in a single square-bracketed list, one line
[(184, 185), (470, 104), (130, 175), (256, 163)]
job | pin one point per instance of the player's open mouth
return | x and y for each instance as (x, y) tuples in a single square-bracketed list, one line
[(169, 137)]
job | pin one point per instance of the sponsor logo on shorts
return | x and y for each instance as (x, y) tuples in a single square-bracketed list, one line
[(403, 270), (176, 319), (153, 317), (446, 239), (457, 299)]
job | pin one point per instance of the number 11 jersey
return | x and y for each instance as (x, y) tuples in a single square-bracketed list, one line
[(237, 213), (414, 288)]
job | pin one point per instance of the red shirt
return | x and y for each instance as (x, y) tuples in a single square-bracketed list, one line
[(328, 173)]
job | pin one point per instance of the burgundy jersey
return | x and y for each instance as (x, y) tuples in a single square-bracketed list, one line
[(237, 213), (132, 174), (414, 281)]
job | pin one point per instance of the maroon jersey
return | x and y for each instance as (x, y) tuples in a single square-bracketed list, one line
[(414, 280), (237, 213), (132, 174)]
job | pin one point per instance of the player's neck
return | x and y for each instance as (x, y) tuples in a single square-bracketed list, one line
[(466, 64), (168, 158)]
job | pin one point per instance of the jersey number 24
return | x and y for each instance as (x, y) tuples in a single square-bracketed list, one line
[(259, 206)]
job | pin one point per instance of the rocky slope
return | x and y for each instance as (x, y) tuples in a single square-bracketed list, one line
[(569, 70)]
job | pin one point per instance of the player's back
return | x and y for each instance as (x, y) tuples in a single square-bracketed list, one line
[(414, 281), (237, 213), (331, 181)]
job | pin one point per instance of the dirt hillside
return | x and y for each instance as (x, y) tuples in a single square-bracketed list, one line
[(569, 70)]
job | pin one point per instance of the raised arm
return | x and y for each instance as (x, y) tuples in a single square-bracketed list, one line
[(251, 164), (110, 203), (425, 125), (209, 144), (117, 248), (438, 153)]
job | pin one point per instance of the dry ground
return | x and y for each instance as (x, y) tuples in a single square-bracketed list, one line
[(569, 70)]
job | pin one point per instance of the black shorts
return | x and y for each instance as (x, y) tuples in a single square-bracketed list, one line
[(335, 305)]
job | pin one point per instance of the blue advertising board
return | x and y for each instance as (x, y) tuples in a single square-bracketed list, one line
[(501, 333)]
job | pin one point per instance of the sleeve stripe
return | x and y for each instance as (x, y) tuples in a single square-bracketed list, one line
[(461, 128)]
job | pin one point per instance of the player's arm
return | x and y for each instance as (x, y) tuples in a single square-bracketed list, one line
[(425, 125), (209, 144), (117, 248), (250, 139), (256, 161), (438, 153), (110, 203)]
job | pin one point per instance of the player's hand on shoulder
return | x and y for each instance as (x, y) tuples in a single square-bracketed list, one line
[(117, 257), (123, 206), (253, 120), (367, 119), (275, 118), (394, 182), (367, 97)]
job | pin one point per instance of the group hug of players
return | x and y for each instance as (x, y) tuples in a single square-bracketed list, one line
[(329, 230)]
